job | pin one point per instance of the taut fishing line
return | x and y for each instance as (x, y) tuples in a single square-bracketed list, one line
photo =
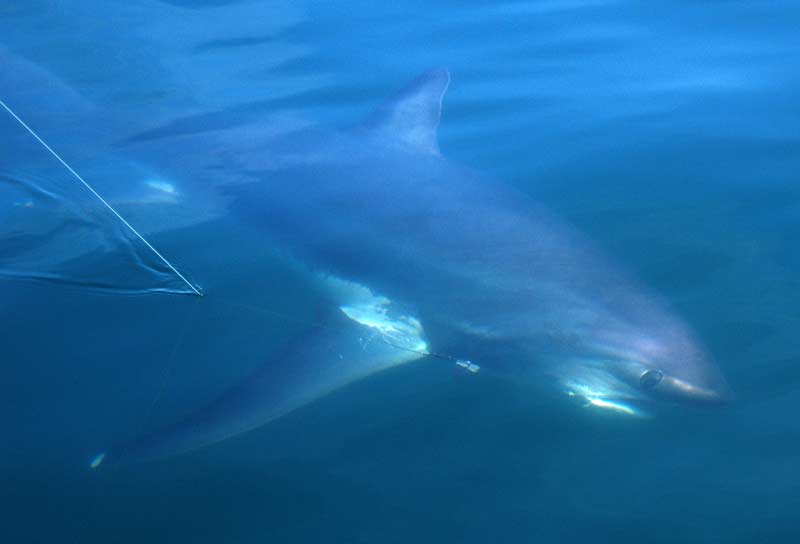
[(100, 198)]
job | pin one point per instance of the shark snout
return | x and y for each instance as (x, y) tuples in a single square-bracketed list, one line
[(681, 390)]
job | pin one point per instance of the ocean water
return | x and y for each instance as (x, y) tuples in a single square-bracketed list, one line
[(669, 132)]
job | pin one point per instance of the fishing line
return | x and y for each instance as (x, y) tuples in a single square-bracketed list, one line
[(165, 377), (100, 198), (167, 372)]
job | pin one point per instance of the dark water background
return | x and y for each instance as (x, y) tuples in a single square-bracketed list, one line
[(668, 131)]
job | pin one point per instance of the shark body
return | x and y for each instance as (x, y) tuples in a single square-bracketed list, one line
[(420, 256)]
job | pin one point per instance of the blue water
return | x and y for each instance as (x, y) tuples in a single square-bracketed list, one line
[(668, 131)]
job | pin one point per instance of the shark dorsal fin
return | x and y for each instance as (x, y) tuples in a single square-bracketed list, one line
[(411, 118)]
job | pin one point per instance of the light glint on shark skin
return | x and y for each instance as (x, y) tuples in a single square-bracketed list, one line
[(160, 191), (591, 400), (612, 405), (402, 332), (602, 393), (378, 313), (162, 186)]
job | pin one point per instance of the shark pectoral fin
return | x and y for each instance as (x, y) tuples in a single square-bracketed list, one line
[(411, 118), (354, 342)]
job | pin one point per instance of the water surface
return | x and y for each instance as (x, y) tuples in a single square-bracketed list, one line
[(667, 131)]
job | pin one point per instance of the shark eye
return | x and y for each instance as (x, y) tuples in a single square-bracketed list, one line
[(650, 378)]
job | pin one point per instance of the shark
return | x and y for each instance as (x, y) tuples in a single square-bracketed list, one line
[(418, 257)]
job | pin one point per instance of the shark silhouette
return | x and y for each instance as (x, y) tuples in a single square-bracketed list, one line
[(421, 257)]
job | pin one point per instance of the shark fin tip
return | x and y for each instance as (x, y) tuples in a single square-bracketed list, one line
[(97, 460)]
